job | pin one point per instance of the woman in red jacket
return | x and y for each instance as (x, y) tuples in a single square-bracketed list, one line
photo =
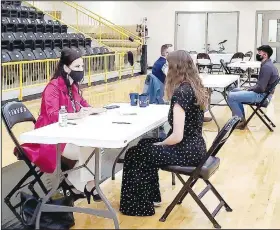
[(63, 90)]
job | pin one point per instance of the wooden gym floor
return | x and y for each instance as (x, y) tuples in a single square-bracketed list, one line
[(248, 177)]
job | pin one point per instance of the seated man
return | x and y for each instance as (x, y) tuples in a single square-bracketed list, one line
[(267, 76)]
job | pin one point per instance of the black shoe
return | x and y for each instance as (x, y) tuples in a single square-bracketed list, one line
[(88, 194), (67, 190)]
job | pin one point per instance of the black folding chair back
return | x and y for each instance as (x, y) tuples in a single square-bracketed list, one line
[(238, 55), (248, 56), (257, 107), (225, 68), (207, 167), (204, 56), (14, 113)]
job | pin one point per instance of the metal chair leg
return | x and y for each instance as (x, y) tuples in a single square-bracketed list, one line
[(173, 178), (217, 194), (204, 209), (267, 118), (186, 193), (174, 202), (263, 120)]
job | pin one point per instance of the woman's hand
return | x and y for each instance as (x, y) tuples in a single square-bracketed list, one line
[(84, 112), (97, 110)]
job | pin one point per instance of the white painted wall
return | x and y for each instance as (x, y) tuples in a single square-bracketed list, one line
[(191, 32), (161, 17), (223, 26)]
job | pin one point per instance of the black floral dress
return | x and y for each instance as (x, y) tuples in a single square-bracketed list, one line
[(140, 182)]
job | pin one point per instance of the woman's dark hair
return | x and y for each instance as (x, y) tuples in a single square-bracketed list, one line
[(67, 57)]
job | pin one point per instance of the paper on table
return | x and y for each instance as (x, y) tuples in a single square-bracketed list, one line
[(128, 111)]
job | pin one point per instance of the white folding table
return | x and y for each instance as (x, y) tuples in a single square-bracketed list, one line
[(100, 132), (222, 81), (246, 65)]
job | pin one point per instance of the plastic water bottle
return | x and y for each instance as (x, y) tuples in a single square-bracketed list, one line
[(62, 117)]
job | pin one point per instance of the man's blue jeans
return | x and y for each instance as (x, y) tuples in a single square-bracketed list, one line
[(237, 96)]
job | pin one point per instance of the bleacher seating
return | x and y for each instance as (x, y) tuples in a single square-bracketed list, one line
[(26, 35)]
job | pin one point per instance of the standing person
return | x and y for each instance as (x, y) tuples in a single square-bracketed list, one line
[(63, 90), (183, 146), (160, 67), (254, 94)]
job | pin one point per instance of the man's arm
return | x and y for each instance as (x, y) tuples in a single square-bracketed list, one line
[(264, 76), (165, 69)]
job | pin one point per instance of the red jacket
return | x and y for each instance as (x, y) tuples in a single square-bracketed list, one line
[(54, 96)]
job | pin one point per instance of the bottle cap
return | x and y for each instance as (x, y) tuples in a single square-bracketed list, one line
[(63, 106)]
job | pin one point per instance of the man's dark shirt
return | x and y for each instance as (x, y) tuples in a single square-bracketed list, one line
[(267, 76)]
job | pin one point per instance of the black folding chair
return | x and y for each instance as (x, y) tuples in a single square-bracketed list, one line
[(207, 167), (257, 107), (224, 67), (14, 113)]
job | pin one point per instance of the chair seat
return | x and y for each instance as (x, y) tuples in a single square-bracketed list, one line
[(264, 105), (208, 169), (202, 64)]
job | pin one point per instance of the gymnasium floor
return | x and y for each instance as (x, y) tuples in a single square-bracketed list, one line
[(248, 177)]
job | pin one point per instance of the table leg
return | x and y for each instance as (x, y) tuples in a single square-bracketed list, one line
[(210, 111), (55, 185), (43, 207), (99, 191)]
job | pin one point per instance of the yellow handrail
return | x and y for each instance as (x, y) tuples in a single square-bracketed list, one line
[(106, 20), (98, 18), (27, 74)]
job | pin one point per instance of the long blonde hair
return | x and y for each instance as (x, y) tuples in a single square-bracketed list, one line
[(182, 69)]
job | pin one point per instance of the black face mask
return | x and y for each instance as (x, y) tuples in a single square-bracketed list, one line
[(259, 57), (77, 76)]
